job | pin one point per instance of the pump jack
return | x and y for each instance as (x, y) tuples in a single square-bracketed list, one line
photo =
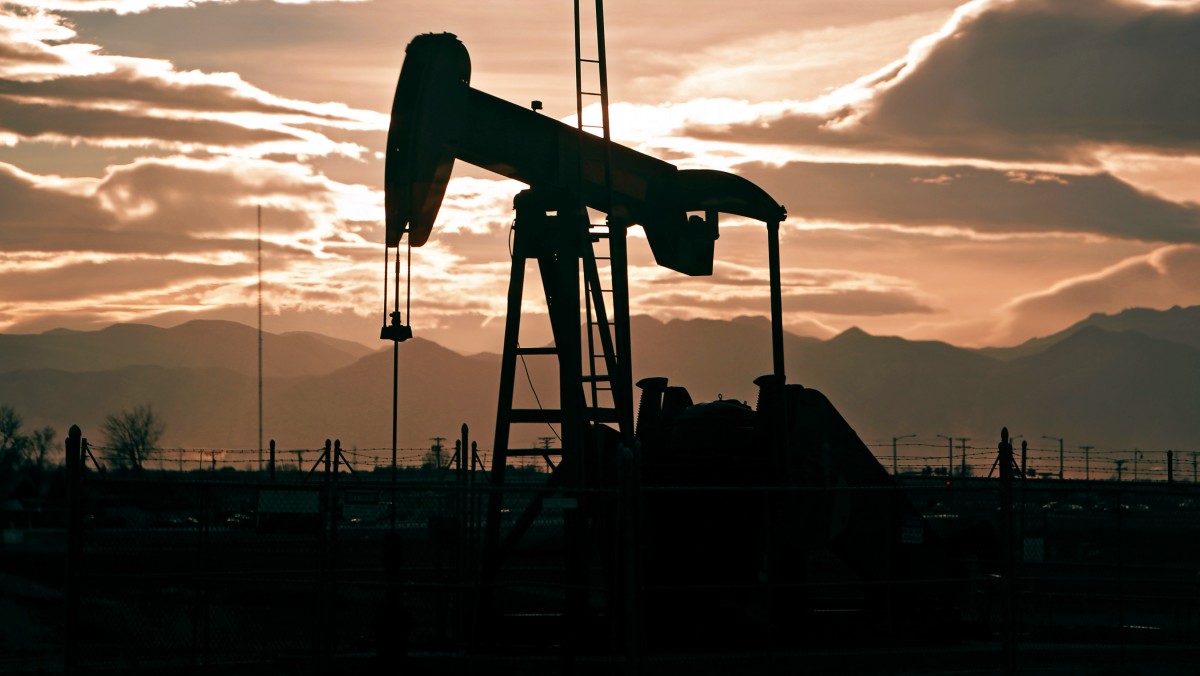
[(795, 438)]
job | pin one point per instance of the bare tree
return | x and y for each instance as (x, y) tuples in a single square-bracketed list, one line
[(12, 442), (131, 435), (40, 444)]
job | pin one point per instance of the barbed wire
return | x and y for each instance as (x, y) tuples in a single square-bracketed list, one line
[(1041, 461)]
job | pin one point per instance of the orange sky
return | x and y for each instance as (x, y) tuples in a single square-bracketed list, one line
[(979, 173)]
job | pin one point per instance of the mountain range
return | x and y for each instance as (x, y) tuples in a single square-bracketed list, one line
[(1111, 381)]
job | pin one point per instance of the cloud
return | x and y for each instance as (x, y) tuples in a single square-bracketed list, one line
[(176, 233), (29, 205), (211, 196), (150, 84), (1164, 278), (1030, 80), (737, 289), (768, 60), (52, 86), (987, 201), (111, 280), (137, 6), (189, 196), (726, 304), (110, 127)]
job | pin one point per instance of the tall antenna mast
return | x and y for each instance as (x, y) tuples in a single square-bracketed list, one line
[(260, 336)]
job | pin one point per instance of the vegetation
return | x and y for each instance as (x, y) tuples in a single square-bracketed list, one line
[(24, 458), (12, 442), (131, 435)]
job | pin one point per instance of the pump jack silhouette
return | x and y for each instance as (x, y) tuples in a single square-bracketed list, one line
[(627, 542)]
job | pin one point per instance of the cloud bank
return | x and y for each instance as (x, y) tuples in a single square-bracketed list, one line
[(1032, 80)]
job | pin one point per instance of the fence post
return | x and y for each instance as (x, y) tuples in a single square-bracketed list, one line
[(202, 559), (334, 503), (74, 470), (1120, 574), (1007, 570), (464, 532)]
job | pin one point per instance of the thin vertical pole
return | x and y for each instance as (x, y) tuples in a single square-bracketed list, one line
[(464, 530), (260, 343), (1007, 629), (74, 469), (395, 381)]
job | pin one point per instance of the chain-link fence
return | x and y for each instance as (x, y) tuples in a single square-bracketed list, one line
[(328, 572)]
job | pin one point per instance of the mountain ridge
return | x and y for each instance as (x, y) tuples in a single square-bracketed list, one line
[(1093, 385), (1176, 324)]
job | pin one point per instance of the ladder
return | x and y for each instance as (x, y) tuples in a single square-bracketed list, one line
[(583, 271), (608, 379)]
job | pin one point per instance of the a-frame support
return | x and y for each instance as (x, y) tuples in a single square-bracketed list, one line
[(554, 232)]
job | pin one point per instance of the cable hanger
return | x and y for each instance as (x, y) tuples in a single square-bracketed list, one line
[(396, 330)]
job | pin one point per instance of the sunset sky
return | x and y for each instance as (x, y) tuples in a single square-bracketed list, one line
[(979, 173)]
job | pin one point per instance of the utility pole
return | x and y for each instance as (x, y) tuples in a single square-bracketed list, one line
[(1170, 466), (1060, 454), (1087, 466), (260, 344), (545, 442), (437, 452), (1136, 456), (894, 440), (1194, 454), (963, 469), (950, 457)]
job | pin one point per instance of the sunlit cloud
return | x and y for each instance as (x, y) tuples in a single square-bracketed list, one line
[(738, 289), (804, 63), (995, 83), (178, 230), (53, 88), (1166, 277), (855, 117), (986, 201), (137, 6)]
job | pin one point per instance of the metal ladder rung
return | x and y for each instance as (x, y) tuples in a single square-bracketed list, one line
[(608, 415), (532, 452), (598, 378), (583, 93), (535, 415), (536, 350), (589, 60)]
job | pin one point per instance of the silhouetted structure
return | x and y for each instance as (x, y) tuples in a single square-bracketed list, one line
[(690, 500)]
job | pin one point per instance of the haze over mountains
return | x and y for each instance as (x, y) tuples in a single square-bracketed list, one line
[(1114, 382)]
